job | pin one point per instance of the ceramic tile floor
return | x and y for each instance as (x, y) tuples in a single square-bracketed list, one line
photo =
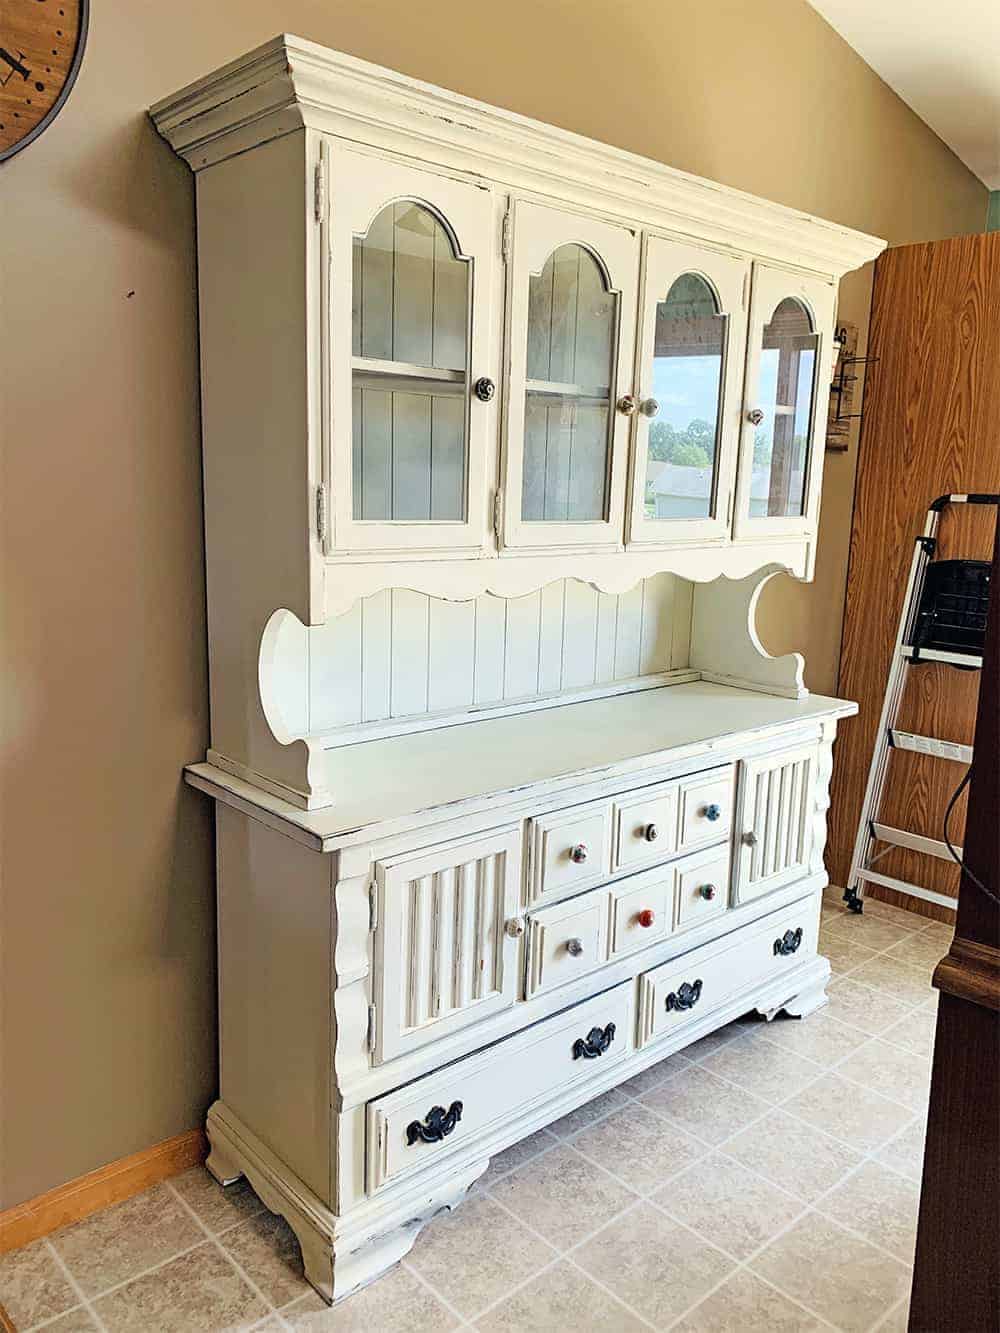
[(764, 1179)]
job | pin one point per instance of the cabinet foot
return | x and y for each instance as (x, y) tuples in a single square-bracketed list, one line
[(340, 1254)]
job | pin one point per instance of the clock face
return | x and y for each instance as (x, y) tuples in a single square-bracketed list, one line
[(41, 46)]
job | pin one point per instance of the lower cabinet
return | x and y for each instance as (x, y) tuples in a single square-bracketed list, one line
[(451, 1108), (777, 795)]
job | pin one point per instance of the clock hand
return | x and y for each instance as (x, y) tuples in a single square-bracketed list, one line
[(16, 66)]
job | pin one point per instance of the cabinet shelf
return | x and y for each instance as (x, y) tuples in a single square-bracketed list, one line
[(585, 393), (405, 377)]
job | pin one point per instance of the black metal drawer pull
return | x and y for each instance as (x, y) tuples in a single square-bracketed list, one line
[(595, 1043), (788, 943), (437, 1126), (686, 996)]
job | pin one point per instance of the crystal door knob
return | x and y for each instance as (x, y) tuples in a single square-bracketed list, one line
[(484, 389), (574, 948), (713, 812), (646, 917), (750, 839), (515, 927), (755, 416), (626, 404), (651, 832), (649, 407), (578, 854), (708, 892)]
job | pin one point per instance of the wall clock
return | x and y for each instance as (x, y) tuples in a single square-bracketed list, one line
[(41, 47)]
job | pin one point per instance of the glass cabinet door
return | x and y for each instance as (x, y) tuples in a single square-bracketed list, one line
[(691, 344), (572, 286), (412, 393), (784, 411)]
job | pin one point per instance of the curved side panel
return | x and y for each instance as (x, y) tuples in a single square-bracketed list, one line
[(725, 647)]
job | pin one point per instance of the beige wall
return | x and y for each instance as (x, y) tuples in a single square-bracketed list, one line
[(107, 999)]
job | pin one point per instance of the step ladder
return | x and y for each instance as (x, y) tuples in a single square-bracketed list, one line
[(943, 620)]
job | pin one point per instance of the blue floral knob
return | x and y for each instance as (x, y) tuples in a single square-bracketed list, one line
[(713, 812)]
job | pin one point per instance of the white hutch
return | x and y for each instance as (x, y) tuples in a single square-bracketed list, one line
[(504, 432)]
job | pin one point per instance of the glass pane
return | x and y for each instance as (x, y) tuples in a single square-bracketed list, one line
[(689, 347), (572, 321), (410, 308), (786, 389)]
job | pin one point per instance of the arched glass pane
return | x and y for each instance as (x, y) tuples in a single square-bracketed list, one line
[(410, 307), (785, 394), (689, 347), (572, 321)]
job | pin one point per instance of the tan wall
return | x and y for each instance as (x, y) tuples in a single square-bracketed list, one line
[(107, 974)]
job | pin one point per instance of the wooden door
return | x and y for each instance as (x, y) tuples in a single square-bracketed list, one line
[(931, 427), (692, 345), (412, 384), (774, 828), (573, 284)]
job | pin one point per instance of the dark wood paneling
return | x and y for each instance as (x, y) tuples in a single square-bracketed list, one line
[(931, 425)]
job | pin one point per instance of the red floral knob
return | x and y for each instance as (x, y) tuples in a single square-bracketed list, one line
[(646, 917)]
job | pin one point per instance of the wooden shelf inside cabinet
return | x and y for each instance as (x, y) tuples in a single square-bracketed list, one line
[(579, 393), (404, 377)]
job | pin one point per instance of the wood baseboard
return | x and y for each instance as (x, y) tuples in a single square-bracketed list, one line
[(109, 1184)]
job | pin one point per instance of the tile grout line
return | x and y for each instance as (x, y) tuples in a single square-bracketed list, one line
[(270, 1307), (405, 1264), (84, 1299)]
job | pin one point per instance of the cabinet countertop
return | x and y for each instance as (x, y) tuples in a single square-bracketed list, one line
[(395, 783)]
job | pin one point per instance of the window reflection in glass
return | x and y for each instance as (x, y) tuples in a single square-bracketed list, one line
[(785, 394), (688, 362), (572, 322)]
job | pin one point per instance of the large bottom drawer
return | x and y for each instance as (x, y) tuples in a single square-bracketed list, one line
[(446, 1110), (706, 978)]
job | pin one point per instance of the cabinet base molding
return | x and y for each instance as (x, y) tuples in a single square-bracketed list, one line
[(343, 1253), (98, 1189)]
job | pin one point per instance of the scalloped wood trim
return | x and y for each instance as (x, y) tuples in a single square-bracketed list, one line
[(109, 1184), (725, 646), (289, 82)]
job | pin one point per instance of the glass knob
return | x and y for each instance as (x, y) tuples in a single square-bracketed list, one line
[(755, 417), (574, 948), (578, 854), (646, 917), (651, 832), (750, 839), (708, 892), (626, 404), (515, 927), (484, 389), (649, 407)]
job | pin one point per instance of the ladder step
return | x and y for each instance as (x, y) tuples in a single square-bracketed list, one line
[(916, 842), (930, 745), (941, 655), (901, 886)]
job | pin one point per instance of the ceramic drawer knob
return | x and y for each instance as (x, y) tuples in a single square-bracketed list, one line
[(646, 917), (578, 854), (484, 389), (708, 892), (574, 948), (713, 812), (750, 839), (651, 832), (627, 404), (515, 927), (755, 416), (649, 407)]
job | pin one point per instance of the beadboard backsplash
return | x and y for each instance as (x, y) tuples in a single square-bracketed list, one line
[(402, 654)]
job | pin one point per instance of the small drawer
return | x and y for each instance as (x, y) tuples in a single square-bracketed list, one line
[(706, 807), (702, 886), (570, 850), (641, 910), (447, 1111), (566, 941), (704, 979), (645, 827)]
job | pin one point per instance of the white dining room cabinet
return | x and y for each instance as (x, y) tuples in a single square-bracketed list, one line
[(692, 339), (572, 283), (412, 385), (784, 418)]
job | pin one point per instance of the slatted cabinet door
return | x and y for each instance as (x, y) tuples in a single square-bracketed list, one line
[(411, 406), (784, 418), (443, 955), (692, 340), (774, 831), (572, 284)]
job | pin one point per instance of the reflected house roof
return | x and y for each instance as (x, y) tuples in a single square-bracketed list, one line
[(672, 479)]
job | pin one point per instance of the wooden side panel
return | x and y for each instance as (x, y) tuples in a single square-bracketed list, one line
[(932, 404), (403, 654), (275, 967)]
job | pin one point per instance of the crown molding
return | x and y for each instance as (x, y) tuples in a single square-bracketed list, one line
[(290, 84)]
